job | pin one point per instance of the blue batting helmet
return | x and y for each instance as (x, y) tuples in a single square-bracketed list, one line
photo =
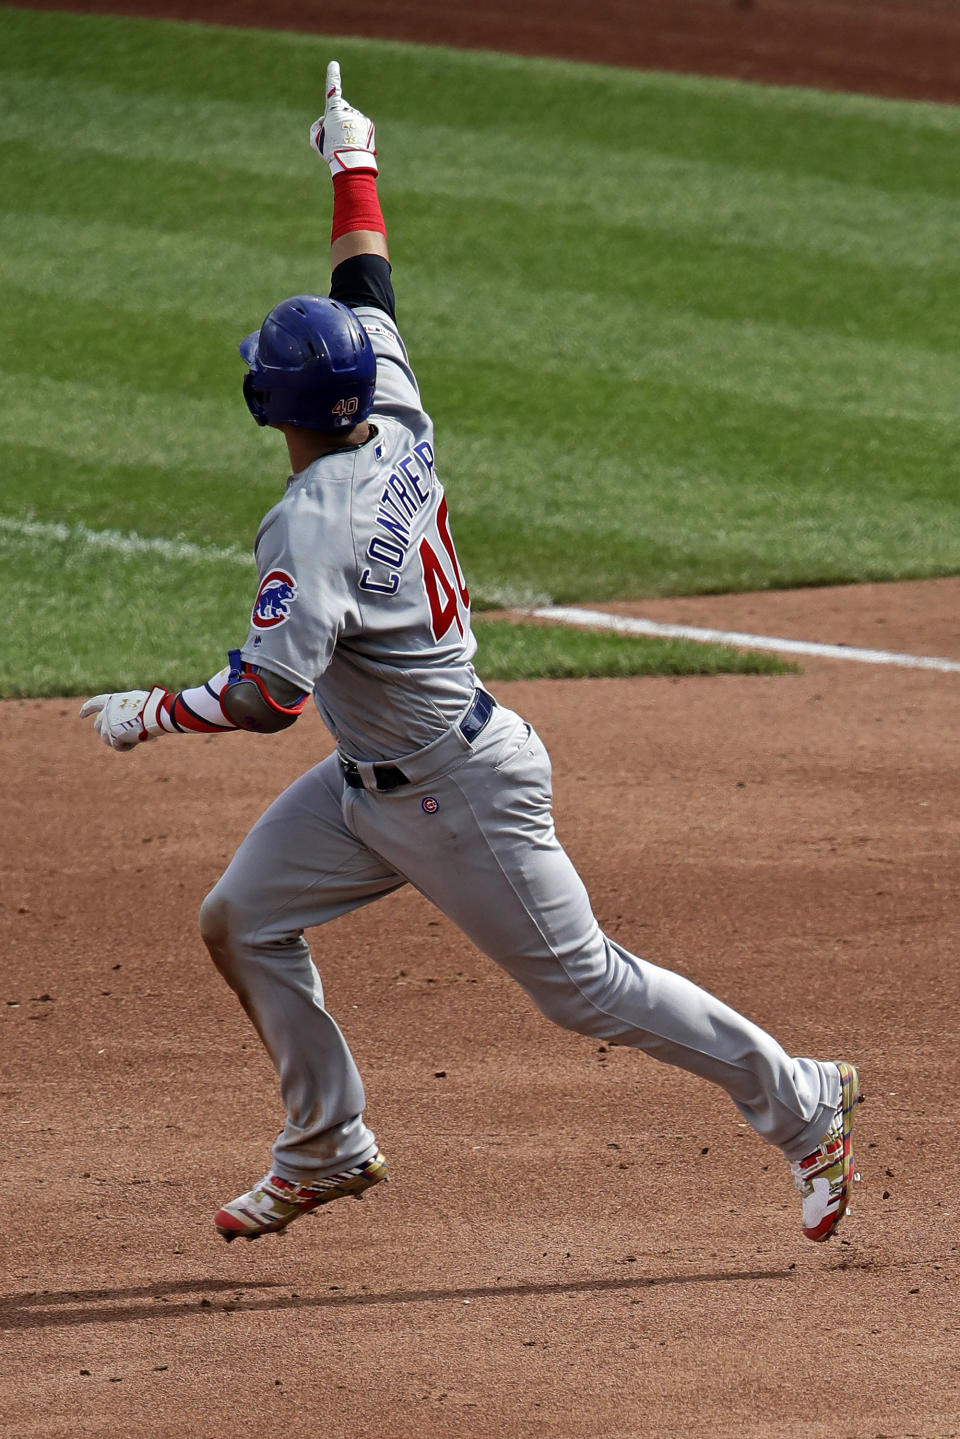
[(311, 365)]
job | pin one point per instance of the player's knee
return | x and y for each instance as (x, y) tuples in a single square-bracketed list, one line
[(220, 922), (235, 932), (561, 1004), (599, 990), (585, 1008), (575, 1013)]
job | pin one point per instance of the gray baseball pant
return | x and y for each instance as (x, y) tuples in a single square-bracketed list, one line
[(484, 851)]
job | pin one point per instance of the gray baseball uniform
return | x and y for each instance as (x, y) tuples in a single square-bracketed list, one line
[(362, 600)]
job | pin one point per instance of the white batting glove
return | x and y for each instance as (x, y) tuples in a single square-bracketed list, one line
[(342, 135), (126, 719)]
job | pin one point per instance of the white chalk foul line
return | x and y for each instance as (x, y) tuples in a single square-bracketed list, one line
[(120, 543), (625, 624)]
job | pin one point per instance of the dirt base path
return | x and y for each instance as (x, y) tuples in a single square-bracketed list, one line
[(576, 1241)]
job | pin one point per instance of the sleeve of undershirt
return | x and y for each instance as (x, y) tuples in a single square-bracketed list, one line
[(363, 283), (364, 280)]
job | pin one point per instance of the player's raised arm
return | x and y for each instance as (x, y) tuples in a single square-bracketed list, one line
[(359, 260), (346, 139)]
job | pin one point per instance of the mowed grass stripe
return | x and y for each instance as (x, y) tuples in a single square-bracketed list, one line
[(585, 526), (554, 330), (521, 650), (204, 506), (700, 268), (121, 421), (198, 465), (632, 182), (93, 620), (177, 273), (118, 542), (669, 301), (133, 588)]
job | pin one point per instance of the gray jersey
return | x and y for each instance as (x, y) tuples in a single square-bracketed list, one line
[(361, 598)]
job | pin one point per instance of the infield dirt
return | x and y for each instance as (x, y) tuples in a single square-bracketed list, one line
[(576, 1241)]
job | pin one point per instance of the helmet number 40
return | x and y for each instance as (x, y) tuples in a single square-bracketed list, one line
[(343, 409)]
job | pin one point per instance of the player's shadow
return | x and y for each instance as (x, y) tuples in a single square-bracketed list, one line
[(70, 1307)]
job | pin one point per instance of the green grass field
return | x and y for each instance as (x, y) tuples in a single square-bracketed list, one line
[(677, 335)]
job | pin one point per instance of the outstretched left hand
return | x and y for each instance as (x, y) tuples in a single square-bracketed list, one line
[(127, 718)]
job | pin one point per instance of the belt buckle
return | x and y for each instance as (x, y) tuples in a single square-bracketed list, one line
[(351, 775), (388, 777)]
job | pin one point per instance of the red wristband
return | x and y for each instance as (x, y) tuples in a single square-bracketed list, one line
[(356, 205)]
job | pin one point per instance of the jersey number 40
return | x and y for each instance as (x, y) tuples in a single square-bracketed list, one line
[(446, 589)]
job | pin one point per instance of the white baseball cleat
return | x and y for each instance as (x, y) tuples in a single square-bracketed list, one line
[(823, 1176), (274, 1203)]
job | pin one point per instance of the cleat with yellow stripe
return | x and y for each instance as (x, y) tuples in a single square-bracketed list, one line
[(824, 1176), (274, 1203)]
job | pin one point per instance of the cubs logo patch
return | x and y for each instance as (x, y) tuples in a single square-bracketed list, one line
[(429, 805), (276, 594)]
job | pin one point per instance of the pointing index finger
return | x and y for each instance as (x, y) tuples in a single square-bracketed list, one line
[(334, 91)]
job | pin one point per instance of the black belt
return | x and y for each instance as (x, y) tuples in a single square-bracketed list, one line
[(388, 776)]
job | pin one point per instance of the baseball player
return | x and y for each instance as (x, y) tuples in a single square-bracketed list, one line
[(362, 603)]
